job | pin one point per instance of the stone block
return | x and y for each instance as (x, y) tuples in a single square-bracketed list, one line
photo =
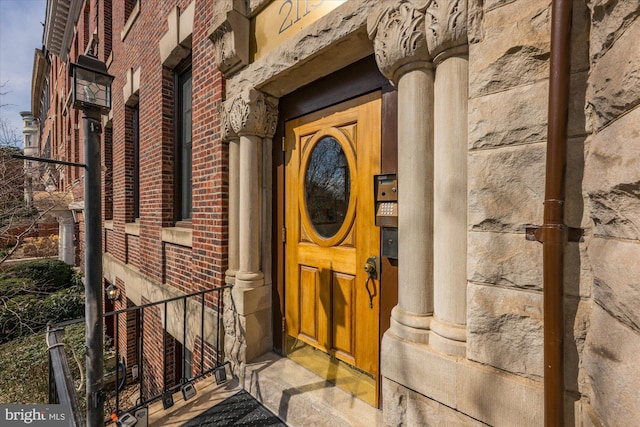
[(513, 117), (575, 199), (612, 178), (405, 407), (498, 398), (498, 62), (505, 329), (506, 188), (578, 276), (576, 324), (504, 259), (490, 396), (614, 81), (576, 125), (609, 19), (580, 32), (419, 368), (616, 274), (611, 369), (257, 330), (251, 300)]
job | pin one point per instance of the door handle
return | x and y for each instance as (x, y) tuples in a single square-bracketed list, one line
[(372, 268)]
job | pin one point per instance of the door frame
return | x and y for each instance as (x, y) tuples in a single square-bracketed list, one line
[(350, 82)]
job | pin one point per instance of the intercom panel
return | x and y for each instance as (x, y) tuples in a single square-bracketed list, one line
[(386, 199)]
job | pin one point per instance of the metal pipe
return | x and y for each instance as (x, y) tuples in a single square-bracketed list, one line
[(117, 345), (93, 266), (554, 231), (140, 358)]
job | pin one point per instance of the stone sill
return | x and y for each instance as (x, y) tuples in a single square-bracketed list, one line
[(132, 228), (132, 19), (178, 236), (108, 224)]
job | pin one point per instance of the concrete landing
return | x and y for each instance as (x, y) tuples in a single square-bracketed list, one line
[(302, 398)]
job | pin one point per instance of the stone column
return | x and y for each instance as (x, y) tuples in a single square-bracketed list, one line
[(446, 25), (252, 116), (228, 135), (402, 55), (66, 231)]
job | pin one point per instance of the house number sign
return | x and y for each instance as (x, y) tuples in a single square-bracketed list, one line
[(281, 19)]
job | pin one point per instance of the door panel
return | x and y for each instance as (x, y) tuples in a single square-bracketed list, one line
[(330, 159)]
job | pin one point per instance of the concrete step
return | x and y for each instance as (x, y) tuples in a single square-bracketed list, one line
[(302, 398)]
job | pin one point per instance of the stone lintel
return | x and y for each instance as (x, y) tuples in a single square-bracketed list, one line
[(175, 45)]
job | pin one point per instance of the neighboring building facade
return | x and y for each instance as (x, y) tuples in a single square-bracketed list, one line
[(30, 143), (242, 147)]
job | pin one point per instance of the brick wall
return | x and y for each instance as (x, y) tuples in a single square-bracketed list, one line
[(158, 355), (186, 268)]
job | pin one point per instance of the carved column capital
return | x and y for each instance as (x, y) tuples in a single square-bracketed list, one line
[(399, 40), (446, 24), (230, 36), (253, 113), (226, 129)]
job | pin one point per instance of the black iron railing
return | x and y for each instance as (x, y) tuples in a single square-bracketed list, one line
[(143, 385), (61, 385)]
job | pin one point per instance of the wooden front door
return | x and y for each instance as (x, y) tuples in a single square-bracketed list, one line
[(331, 303)]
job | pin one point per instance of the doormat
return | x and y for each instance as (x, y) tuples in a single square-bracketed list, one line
[(241, 409)]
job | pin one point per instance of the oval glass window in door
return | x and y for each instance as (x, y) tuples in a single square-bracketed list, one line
[(327, 186)]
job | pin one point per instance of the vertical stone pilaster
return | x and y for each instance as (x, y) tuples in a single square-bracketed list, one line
[(398, 33)]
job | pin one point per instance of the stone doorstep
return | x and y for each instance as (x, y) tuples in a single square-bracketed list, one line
[(301, 398), (208, 395)]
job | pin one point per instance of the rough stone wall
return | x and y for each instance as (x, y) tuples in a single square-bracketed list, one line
[(507, 143), (609, 365), (508, 91)]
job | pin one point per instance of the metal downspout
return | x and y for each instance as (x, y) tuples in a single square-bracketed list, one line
[(554, 232)]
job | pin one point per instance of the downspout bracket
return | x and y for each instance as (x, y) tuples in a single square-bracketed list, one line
[(549, 233)]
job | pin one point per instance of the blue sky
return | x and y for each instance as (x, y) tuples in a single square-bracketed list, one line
[(20, 34)]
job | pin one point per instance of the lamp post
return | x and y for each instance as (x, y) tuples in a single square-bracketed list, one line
[(92, 94)]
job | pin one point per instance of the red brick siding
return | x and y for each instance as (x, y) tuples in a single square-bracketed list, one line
[(186, 269), (133, 250), (176, 274)]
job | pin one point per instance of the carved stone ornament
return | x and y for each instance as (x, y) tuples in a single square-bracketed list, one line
[(230, 38), (398, 33), (227, 131), (446, 22), (253, 113)]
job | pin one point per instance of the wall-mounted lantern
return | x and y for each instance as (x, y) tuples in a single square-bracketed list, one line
[(113, 294)]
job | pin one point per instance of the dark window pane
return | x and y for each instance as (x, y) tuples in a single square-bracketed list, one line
[(185, 145), (327, 186)]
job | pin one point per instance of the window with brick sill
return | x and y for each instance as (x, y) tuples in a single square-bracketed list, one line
[(183, 150)]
